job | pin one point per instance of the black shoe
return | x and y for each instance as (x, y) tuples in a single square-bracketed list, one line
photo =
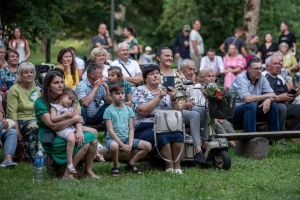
[(200, 158)]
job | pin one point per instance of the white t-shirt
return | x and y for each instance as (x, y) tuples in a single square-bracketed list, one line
[(79, 63), (195, 36), (216, 64), (132, 66)]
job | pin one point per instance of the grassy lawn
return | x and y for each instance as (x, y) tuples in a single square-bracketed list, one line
[(276, 177), (36, 57)]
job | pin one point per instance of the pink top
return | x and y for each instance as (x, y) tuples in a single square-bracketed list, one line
[(238, 61)]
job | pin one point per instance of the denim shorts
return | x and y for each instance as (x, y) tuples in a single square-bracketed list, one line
[(135, 143)]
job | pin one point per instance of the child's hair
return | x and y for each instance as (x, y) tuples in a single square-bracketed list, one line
[(116, 86), (117, 70), (67, 91)]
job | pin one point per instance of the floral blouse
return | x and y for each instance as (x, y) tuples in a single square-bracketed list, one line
[(7, 79), (142, 95), (184, 93)]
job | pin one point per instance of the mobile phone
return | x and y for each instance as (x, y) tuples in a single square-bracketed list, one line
[(168, 81), (292, 91)]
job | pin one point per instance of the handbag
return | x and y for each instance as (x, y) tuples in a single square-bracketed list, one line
[(167, 121), (49, 137), (11, 124), (21, 154)]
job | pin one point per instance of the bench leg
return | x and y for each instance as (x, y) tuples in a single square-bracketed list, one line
[(256, 148)]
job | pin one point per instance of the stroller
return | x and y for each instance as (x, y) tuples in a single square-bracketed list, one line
[(41, 71)]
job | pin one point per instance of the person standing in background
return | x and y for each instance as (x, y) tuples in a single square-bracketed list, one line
[(196, 47), (20, 44), (1, 36), (130, 39), (102, 39), (287, 37), (181, 45), (251, 45), (237, 41)]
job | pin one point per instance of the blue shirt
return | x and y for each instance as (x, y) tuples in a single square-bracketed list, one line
[(243, 86), (180, 48), (83, 88), (120, 120)]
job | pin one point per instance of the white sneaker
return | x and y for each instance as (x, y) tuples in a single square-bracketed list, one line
[(170, 170), (178, 171)]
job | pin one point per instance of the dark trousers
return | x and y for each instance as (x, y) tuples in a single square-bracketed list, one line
[(288, 111), (249, 113), (96, 119)]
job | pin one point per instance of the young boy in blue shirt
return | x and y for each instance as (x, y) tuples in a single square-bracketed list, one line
[(119, 123)]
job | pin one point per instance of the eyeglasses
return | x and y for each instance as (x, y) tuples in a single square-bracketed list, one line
[(96, 103), (257, 69)]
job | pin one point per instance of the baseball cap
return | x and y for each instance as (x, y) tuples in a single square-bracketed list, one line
[(1, 27), (148, 48), (186, 28)]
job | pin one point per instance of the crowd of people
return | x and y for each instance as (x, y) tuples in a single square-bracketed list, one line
[(126, 96)]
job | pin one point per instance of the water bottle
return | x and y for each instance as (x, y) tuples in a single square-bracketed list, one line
[(39, 161)]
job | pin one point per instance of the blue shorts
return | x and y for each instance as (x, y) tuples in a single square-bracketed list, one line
[(134, 145)]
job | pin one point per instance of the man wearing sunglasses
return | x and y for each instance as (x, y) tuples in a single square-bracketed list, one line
[(284, 97), (256, 100)]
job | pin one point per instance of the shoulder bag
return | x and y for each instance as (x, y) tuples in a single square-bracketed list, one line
[(167, 121)]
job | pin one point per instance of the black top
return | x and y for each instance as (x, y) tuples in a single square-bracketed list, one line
[(277, 85), (238, 42), (290, 38), (264, 51), (180, 48)]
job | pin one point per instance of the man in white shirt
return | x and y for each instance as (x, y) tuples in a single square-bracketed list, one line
[(130, 68), (213, 62), (196, 46)]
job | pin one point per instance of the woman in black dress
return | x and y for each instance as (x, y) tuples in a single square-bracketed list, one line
[(267, 48)]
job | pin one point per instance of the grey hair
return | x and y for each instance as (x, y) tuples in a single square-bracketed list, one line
[(121, 44), (185, 62), (277, 54), (22, 67), (3, 47), (283, 44), (92, 68), (268, 60)]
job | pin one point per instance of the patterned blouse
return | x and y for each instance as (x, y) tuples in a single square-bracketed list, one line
[(142, 95), (7, 79)]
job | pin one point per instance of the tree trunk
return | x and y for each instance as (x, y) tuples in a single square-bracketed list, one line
[(48, 50), (251, 17), (43, 45)]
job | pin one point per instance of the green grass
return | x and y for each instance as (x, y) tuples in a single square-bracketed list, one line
[(36, 57), (276, 177)]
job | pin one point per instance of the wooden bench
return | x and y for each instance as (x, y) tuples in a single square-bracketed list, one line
[(256, 144)]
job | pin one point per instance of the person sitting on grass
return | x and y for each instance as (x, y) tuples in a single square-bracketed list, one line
[(62, 109), (115, 74), (119, 124)]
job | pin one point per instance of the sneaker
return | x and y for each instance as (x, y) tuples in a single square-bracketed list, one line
[(200, 158), (8, 163), (170, 170), (178, 171)]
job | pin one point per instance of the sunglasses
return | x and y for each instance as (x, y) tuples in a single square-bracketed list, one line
[(96, 103)]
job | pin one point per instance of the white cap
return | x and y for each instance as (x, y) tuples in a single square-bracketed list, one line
[(148, 48)]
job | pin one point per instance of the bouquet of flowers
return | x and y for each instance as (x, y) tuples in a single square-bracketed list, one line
[(221, 102)]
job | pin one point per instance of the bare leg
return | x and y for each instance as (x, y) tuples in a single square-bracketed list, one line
[(76, 159), (70, 147), (7, 156), (166, 153), (89, 158), (92, 130), (114, 153), (176, 148), (144, 148)]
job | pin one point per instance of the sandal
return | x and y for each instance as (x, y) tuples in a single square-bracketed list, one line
[(115, 171), (99, 158), (133, 168), (71, 169)]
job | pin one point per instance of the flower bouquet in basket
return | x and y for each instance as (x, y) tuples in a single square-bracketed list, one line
[(221, 102)]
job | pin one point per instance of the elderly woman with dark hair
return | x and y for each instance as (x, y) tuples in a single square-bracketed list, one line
[(146, 100), (20, 100)]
